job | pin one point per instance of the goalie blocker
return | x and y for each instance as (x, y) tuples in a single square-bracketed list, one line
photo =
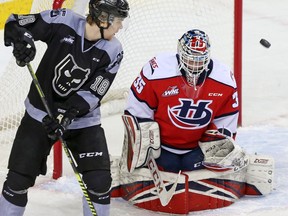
[(141, 139), (194, 190)]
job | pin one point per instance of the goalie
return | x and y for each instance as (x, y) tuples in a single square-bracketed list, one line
[(181, 117), (186, 93)]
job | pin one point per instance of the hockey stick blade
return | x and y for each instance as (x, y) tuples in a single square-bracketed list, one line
[(164, 195)]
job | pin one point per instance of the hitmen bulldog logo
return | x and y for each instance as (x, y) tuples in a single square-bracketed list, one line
[(69, 76)]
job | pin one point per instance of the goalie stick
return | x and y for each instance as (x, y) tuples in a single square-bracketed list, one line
[(164, 195), (66, 149)]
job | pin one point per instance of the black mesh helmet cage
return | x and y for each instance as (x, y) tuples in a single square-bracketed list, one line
[(106, 10)]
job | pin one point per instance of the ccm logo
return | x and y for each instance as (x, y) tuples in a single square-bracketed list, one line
[(215, 94), (210, 148), (90, 154), (262, 161), (155, 174)]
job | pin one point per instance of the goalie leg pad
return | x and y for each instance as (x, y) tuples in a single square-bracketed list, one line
[(260, 174), (196, 190)]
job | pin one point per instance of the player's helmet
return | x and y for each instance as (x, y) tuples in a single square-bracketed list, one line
[(107, 10), (194, 54)]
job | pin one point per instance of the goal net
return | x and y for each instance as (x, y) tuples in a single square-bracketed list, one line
[(154, 27)]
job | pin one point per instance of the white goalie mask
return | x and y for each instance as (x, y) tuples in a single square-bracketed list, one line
[(194, 54)]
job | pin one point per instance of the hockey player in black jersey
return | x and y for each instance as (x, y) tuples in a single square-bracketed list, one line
[(77, 69)]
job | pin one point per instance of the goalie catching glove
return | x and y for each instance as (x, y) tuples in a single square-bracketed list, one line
[(56, 127), (221, 152)]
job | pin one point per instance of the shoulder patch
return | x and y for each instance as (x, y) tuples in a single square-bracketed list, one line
[(59, 12), (153, 64), (162, 66), (222, 73), (25, 19)]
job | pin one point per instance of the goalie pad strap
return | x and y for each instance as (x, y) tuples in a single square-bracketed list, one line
[(140, 140)]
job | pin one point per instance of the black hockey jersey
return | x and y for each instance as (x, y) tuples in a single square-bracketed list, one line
[(73, 70)]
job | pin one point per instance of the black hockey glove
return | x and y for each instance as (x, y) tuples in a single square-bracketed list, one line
[(24, 48), (56, 127)]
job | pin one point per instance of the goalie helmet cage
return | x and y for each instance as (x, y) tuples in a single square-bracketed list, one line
[(154, 27)]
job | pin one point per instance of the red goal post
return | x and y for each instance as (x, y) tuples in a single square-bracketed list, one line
[(154, 27)]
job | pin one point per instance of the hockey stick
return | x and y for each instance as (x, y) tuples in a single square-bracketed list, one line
[(66, 149), (164, 195)]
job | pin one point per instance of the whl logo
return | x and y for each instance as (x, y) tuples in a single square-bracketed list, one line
[(189, 115), (172, 90)]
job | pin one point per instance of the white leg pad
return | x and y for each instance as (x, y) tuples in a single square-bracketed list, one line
[(260, 173)]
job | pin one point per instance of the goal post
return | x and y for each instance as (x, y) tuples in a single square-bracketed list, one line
[(154, 27), (238, 26)]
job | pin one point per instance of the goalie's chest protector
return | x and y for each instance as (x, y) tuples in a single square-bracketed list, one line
[(182, 112)]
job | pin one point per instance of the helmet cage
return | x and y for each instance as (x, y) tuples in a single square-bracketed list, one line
[(194, 54)]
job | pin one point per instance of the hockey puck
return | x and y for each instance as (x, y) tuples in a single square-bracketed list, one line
[(265, 43)]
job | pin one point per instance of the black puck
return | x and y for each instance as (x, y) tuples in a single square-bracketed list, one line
[(265, 43)]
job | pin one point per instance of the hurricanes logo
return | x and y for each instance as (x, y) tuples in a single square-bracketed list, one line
[(189, 115), (69, 76)]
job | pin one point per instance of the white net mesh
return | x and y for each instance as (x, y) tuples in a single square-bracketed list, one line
[(154, 27)]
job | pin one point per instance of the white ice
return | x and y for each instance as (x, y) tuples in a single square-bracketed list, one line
[(264, 130)]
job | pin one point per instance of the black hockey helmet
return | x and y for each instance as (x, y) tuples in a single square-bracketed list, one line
[(107, 10)]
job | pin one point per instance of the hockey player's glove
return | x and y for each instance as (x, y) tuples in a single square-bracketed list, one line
[(56, 127), (24, 48)]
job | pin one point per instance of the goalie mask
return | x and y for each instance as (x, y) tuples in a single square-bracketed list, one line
[(194, 54), (105, 11)]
